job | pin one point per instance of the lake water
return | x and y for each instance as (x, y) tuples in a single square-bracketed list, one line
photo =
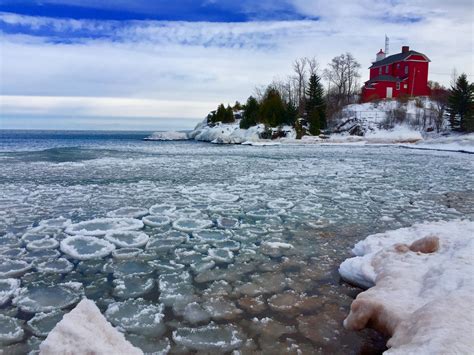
[(239, 248)]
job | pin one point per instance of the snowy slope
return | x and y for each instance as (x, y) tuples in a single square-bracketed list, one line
[(423, 283), (85, 330)]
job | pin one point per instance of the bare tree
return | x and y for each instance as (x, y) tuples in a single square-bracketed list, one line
[(313, 66), (342, 75), (439, 97), (299, 67)]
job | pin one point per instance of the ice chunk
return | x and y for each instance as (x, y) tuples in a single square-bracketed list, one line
[(156, 221), (228, 223), (59, 222), (221, 308), (221, 255), (39, 255), (276, 249), (224, 197), (126, 253), (100, 226), (253, 305), (85, 248), (127, 239), (162, 209), (191, 225), (41, 244), (130, 212), (7, 289), (212, 235), (194, 313), (132, 286), (165, 244), (188, 257), (12, 253), (212, 337), (45, 298), (227, 244), (11, 330), (13, 268), (58, 266), (188, 212), (132, 267), (84, 330), (42, 323), (137, 316), (280, 204)]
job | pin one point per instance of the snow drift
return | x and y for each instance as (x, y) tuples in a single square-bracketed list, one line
[(85, 330), (423, 286)]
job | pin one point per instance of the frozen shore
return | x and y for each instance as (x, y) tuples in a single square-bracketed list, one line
[(421, 287)]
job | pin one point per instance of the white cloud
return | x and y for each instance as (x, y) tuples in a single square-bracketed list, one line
[(193, 66)]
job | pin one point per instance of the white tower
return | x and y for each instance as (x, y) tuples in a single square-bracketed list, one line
[(387, 45)]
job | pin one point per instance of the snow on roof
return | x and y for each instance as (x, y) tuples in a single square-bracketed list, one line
[(397, 58)]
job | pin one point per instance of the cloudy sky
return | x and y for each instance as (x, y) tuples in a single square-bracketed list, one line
[(149, 65)]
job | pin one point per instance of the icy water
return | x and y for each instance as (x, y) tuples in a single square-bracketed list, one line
[(192, 247)]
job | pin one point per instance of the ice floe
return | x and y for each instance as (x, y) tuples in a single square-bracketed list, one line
[(57, 266), (130, 212), (162, 209), (127, 239), (156, 221), (7, 289), (191, 225), (211, 337), (11, 330), (42, 297), (41, 244), (132, 286), (13, 268), (100, 226), (42, 323), (85, 248), (137, 316)]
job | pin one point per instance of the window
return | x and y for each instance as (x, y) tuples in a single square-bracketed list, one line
[(386, 69), (398, 86), (398, 66), (406, 69), (380, 71)]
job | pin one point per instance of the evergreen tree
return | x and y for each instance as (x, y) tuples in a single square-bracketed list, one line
[(250, 114), (237, 106), (272, 109), (228, 115), (291, 114), (461, 105), (314, 123), (315, 100), (220, 114)]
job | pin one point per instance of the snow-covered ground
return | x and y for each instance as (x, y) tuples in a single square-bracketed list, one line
[(369, 120), (421, 283), (168, 136)]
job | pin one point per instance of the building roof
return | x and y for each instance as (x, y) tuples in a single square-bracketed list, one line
[(385, 78), (396, 58)]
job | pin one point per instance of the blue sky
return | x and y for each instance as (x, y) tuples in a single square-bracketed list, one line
[(90, 64)]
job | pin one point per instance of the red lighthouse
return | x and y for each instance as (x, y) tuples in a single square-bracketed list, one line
[(404, 73)]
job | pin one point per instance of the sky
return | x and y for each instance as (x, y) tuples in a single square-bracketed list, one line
[(159, 65)]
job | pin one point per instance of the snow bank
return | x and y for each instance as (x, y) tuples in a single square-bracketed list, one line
[(226, 133), (168, 136), (455, 143), (85, 330), (424, 286)]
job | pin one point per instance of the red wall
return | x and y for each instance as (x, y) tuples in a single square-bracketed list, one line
[(416, 80)]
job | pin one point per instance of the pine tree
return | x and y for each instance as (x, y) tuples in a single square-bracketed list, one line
[(314, 123), (461, 105), (291, 114), (250, 114), (228, 115), (272, 110), (315, 100)]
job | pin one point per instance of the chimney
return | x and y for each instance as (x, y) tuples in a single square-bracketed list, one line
[(380, 55), (405, 49)]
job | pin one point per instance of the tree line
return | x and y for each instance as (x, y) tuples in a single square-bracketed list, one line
[(299, 95)]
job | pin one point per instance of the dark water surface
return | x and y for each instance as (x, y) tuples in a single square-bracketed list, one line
[(284, 217)]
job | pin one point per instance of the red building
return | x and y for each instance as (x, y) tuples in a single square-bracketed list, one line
[(398, 74)]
